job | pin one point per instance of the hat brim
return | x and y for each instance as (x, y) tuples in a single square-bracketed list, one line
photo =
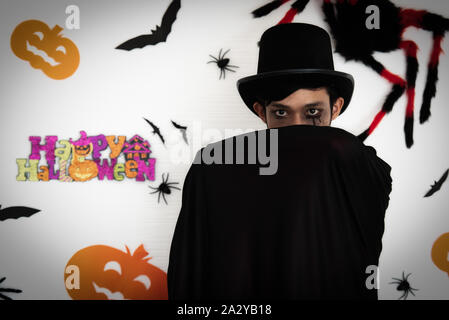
[(277, 85)]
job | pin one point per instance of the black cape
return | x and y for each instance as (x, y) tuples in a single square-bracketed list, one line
[(309, 231)]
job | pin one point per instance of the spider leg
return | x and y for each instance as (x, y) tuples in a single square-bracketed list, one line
[(159, 197), (396, 92), (171, 183), (410, 49), (175, 188), (230, 65), (221, 73), (225, 53), (288, 18), (10, 290), (297, 7), (213, 58), (166, 180), (226, 68), (329, 12), (438, 25), (153, 188), (219, 55), (154, 191), (163, 196), (268, 8), (2, 296), (432, 78), (406, 294), (395, 282), (2, 279)]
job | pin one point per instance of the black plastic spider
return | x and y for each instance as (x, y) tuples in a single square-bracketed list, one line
[(403, 285), (2, 296), (222, 63), (164, 188)]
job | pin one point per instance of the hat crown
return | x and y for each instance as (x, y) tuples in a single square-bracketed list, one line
[(294, 46)]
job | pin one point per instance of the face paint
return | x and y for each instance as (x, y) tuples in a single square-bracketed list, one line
[(315, 119)]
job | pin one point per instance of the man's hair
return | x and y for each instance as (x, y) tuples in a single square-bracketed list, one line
[(331, 91)]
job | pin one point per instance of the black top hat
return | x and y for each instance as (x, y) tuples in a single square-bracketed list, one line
[(294, 55)]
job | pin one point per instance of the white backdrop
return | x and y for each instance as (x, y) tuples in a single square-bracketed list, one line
[(113, 89)]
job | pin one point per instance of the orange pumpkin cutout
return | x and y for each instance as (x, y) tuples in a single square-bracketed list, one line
[(45, 49), (108, 273), (440, 252), (81, 169)]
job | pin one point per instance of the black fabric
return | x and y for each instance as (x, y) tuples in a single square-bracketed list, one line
[(307, 232)]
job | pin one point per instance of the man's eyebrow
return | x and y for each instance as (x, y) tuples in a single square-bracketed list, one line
[(280, 105), (308, 105), (314, 104)]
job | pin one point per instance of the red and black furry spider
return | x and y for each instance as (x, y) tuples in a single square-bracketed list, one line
[(354, 41), (403, 285)]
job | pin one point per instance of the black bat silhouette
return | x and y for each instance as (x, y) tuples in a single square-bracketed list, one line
[(4, 297), (437, 184), (155, 130), (16, 212), (183, 130), (157, 35)]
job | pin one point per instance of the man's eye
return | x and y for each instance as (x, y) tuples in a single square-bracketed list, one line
[(280, 113), (313, 111)]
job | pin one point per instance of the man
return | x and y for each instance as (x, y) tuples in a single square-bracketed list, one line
[(312, 228)]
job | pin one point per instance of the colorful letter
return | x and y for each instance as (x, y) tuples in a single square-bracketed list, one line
[(116, 148), (24, 169)]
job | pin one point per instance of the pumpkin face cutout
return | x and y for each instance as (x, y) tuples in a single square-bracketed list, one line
[(81, 169), (45, 49), (83, 151), (108, 273)]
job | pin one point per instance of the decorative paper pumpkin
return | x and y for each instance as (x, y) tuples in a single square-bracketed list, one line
[(83, 150), (62, 54), (440, 252), (106, 269), (81, 169)]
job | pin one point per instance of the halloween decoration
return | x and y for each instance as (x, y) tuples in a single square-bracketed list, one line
[(63, 177), (136, 153), (157, 35), (440, 252), (80, 168), (437, 184), (403, 285), (108, 272), (3, 296), (155, 130), (164, 188), (137, 148), (222, 63), (306, 230), (45, 49), (183, 130), (354, 41), (16, 212)]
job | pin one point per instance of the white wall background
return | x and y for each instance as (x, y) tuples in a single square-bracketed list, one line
[(113, 89)]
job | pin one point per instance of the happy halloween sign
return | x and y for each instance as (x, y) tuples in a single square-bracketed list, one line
[(73, 163)]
